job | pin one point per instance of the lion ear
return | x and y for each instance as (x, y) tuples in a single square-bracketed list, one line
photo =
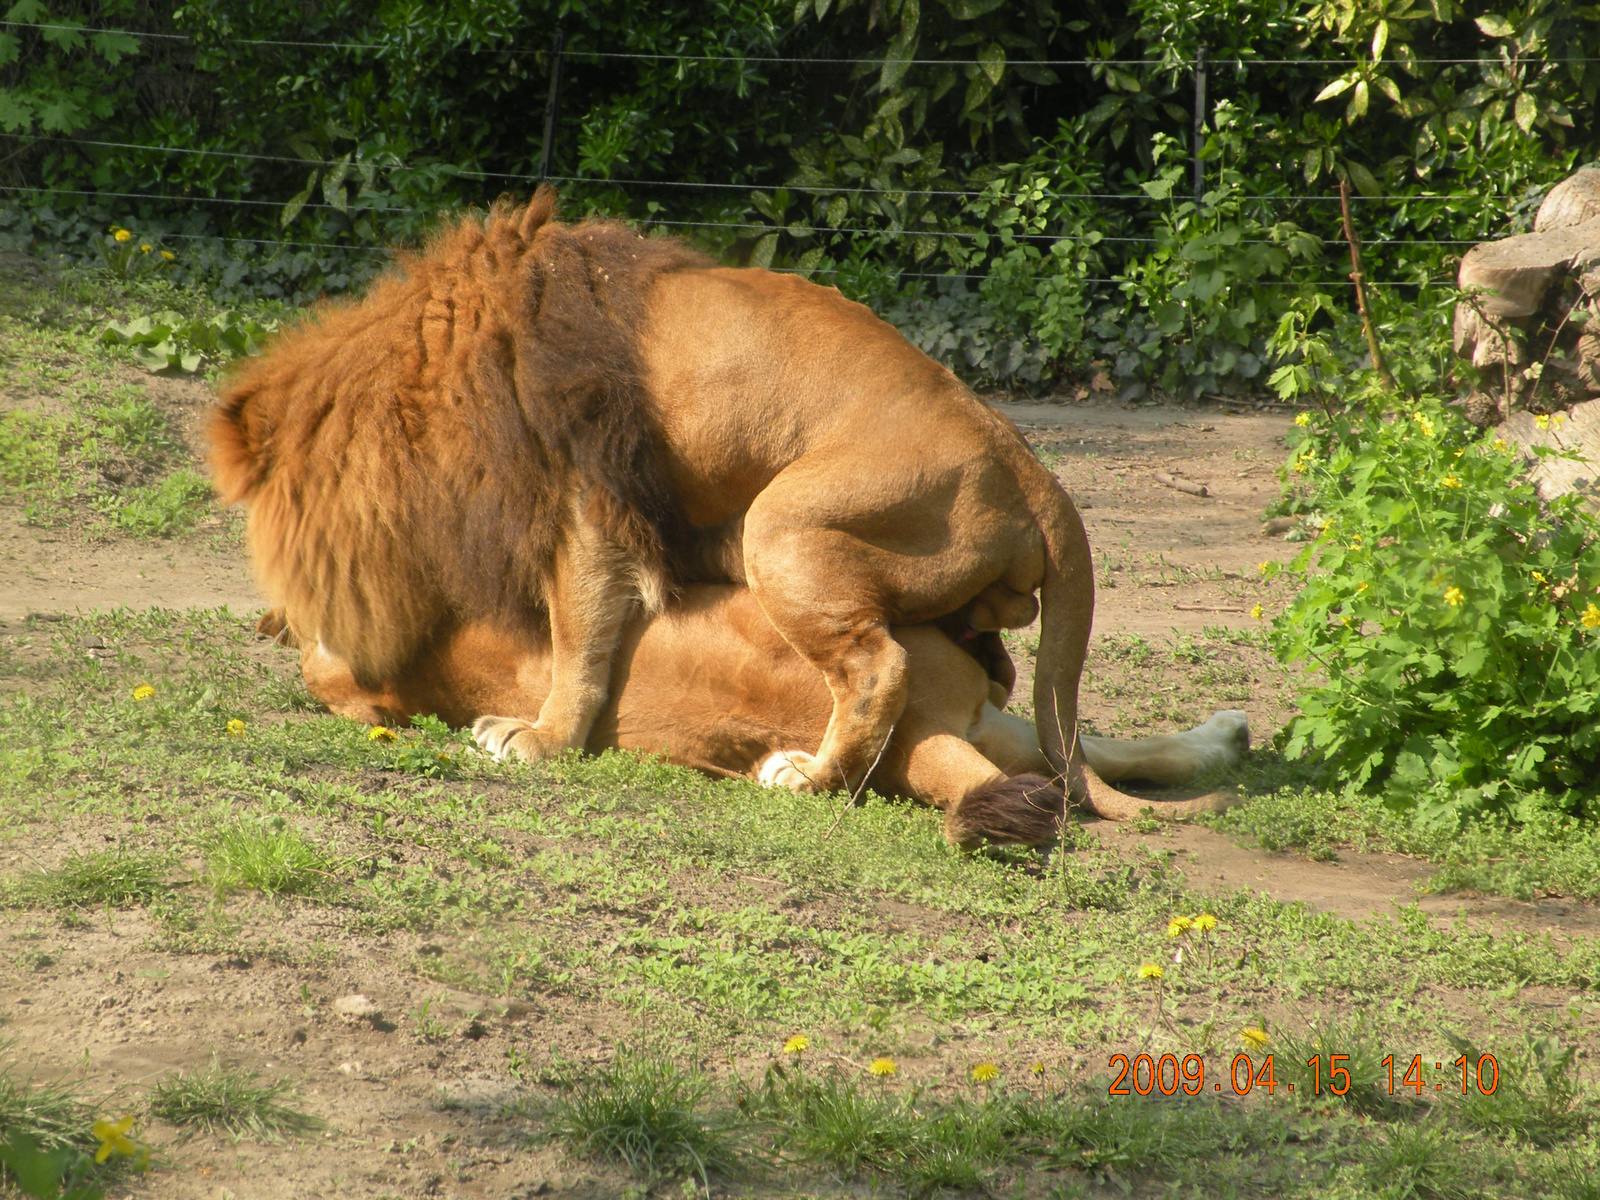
[(541, 211)]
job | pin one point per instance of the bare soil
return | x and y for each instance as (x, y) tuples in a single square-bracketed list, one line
[(412, 1118)]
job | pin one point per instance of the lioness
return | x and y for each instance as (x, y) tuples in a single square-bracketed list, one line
[(539, 425), (709, 683)]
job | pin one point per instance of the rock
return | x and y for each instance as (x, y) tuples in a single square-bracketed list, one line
[(1589, 362), (1517, 271), (356, 1009), (1276, 526), (1573, 201)]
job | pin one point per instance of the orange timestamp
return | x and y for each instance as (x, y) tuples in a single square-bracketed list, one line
[(1169, 1075)]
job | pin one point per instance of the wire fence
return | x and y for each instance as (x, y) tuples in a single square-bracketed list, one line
[(737, 57), (736, 225), (799, 228)]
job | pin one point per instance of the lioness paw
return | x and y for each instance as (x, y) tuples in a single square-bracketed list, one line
[(506, 738), (792, 769)]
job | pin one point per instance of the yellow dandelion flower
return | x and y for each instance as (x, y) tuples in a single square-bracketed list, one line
[(1542, 421), (1453, 597), (1254, 1038), (1301, 466), (1426, 424), (168, 255), (1539, 575), (381, 733), (1037, 1068), (1591, 616), (1257, 612), (883, 1067), (143, 692), (1302, 419), (1355, 541), (1150, 971), (1205, 922), (1450, 481), (122, 235), (1179, 926), (798, 1044), (1264, 567), (114, 1139), (236, 727), (985, 1071), (145, 248)]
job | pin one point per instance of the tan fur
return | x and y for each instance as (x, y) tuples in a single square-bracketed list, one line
[(709, 683), (517, 429)]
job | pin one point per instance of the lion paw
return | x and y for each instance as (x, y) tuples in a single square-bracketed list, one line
[(506, 738), (795, 770)]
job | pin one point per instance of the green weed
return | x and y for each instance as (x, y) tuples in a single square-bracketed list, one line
[(228, 1100), (645, 1111), (270, 856), (116, 877), (175, 505)]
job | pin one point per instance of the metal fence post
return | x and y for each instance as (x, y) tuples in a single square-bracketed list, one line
[(1199, 125), (553, 104)]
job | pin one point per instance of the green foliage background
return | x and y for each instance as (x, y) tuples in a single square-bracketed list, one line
[(914, 139)]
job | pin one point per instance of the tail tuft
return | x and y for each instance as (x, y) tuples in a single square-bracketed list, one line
[(1022, 809)]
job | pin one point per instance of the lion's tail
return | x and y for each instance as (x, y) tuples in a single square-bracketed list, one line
[(1065, 619)]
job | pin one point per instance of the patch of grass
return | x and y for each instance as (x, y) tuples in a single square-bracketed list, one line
[(176, 504), (1424, 1160), (1351, 1046), (228, 1100), (116, 877), (1536, 1098), (269, 856), (51, 1115), (645, 1111)]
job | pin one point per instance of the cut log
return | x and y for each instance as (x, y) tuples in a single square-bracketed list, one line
[(1573, 201), (1517, 271), (1483, 341), (1579, 432)]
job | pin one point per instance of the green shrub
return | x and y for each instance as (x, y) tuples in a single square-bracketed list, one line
[(1449, 616)]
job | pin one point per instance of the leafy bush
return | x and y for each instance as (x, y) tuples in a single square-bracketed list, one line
[(1449, 613)]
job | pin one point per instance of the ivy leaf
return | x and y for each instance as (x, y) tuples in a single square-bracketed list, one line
[(992, 59), (969, 10), (1525, 111), (16, 111), (292, 209), (1494, 25), (761, 256), (1358, 102), (897, 59), (1337, 88), (59, 115)]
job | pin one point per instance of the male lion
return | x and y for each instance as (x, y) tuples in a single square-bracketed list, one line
[(541, 425), (709, 683)]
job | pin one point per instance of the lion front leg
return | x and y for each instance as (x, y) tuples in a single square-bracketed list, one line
[(591, 591)]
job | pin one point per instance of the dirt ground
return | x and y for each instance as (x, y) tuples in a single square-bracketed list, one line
[(407, 1118)]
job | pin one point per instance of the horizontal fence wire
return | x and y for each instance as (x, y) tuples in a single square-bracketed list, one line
[(792, 228), (652, 222), (703, 184), (568, 51)]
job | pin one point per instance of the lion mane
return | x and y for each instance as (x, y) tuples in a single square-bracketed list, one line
[(410, 460)]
